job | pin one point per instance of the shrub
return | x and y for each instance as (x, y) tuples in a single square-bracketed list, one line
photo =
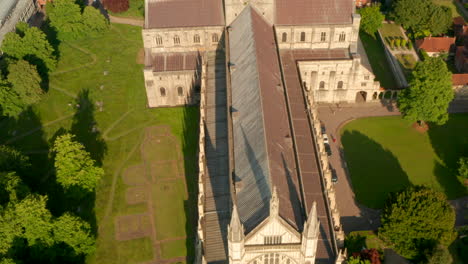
[(410, 44), (392, 43), (398, 42), (403, 43)]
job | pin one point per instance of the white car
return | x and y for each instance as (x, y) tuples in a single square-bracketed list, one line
[(325, 139)]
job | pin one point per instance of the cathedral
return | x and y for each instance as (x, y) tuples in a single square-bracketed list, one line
[(258, 69)]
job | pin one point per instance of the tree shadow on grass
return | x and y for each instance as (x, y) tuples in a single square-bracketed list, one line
[(450, 142), (375, 172), (85, 127)]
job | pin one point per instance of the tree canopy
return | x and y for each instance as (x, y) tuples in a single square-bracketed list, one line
[(70, 23), (429, 93), (10, 102), (24, 217), (25, 81), (74, 166), (371, 19), (417, 219), (423, 17), (31, 45), (463, 167)]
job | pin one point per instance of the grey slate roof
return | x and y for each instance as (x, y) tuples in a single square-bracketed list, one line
[(263, 151), (314, 12)]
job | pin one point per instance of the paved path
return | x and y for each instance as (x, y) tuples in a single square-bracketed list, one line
[(353, 216), (126, 20)]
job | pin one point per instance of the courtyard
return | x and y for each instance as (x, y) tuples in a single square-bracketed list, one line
[(142, 210), (386, 154)]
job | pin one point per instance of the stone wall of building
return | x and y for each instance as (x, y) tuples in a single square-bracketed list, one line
[(318, 36), (160, 40), (461, 92), (333, 81), (171, 88)]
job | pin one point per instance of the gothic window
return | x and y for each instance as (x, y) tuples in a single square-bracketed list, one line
[(162, 91), (322, 85), (323, 36), (176, 40), (272, 258), (367, 77), (342, 37), (196, 38), (272, 240), (158, 40), (180, 91), (340, 85), (302, 36), (363, 84), (214, 38), (284, 37)]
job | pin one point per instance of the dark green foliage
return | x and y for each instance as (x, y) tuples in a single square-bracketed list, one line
[(358, 260), (67, 19), (74, 232), (25, 81), (429, 92), (32, 46), (423, 17), (12, 188), (463, 169), (416, 220), (10, 102), (12, 160), (440, 255), (371, 19)]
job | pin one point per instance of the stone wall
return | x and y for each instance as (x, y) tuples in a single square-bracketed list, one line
[(318, 36), (461, 92), (190, 39), (171, 88), (333, 81)]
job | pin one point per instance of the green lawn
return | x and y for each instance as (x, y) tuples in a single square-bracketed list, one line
[(104, 69), (376, 54), (407, 63), (391, 30), (385, 154), (136, 10)]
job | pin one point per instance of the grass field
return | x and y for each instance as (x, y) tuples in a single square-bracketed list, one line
[(385, 154), (98, 94), (136, 10), (376, 54)]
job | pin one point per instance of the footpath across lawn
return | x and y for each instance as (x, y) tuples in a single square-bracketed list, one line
[(385, 154)]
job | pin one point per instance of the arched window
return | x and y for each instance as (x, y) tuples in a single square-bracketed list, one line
[(340, 85), (322, 85), (162, 91), (176, 40), (342, 37), (158, 40), (284, 37), (323, 36), (196, 38), (214, 38), (302, 36), (180, 91)]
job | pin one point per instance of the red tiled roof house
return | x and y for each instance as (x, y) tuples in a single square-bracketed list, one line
[(436, 45)]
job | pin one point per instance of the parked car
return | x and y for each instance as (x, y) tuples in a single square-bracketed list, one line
[(328, 149), (334, 176), (325, 139)]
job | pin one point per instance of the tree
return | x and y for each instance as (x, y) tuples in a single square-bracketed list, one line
[(65, 17), (25, 81), (429, 92), (398, 42), (74, 232), (463, 169), (403, 43), (358, 260), (12, 160), (32, 46), (371, 19), (74, 166), (440, 255), (417, 219), (423, 17), (10, 102), (116, 6), (12, 188), (94, 21)]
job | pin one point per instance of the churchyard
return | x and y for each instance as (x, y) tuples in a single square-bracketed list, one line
[(142, 211), (386, 154)]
